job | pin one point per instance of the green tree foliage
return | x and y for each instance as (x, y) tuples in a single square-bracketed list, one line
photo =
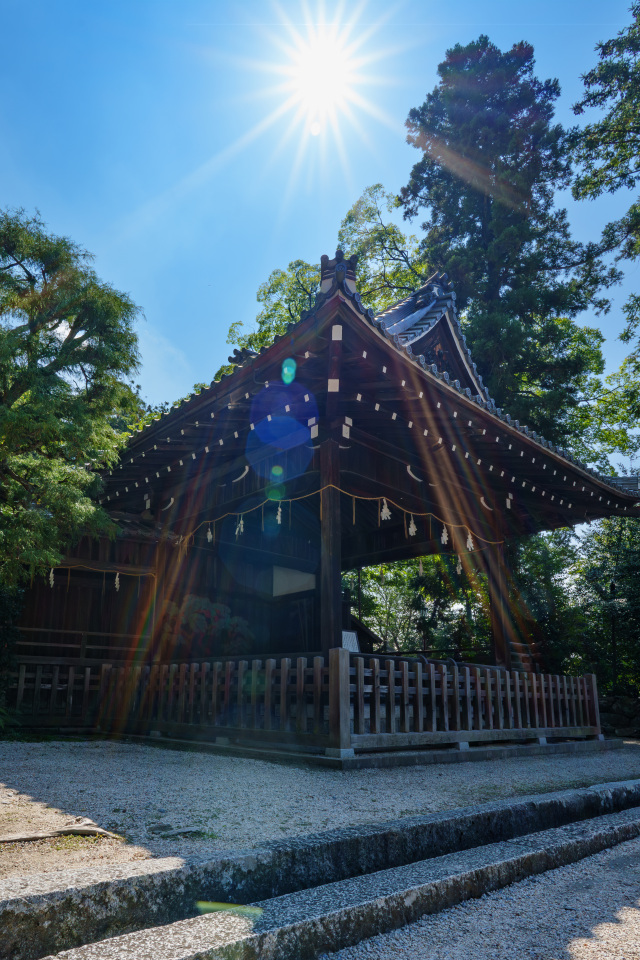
[(607, 150), (282, 297), (389, 268), (609, 422), (609, 553), (491, 161), (544, 613), (428, 604), (67, 341), (389, 265)]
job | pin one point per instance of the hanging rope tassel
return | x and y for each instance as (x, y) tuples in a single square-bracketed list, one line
[(209, 534), (117, 581), (412, 527), (469, 540), (385, 513), (459, 565), (51, 578), (444, 537), (279, 515)]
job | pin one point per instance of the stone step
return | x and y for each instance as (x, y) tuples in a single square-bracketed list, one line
[(333, 916), (43, 914)]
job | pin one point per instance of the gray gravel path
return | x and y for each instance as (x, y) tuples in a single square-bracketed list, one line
[(586, 911), (150, 795)]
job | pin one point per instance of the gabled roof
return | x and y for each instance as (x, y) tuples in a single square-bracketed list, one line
[(423, 328), (424, 324)]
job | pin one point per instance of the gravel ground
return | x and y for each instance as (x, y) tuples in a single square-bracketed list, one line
[(586, 911), (175, 803)]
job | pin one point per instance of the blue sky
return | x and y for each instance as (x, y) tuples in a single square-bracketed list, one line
[(156, 135)]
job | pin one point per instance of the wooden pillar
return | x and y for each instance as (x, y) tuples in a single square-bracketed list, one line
[(498, 605), (339, 705), (330, 550)]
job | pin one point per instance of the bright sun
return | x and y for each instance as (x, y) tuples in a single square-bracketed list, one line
[(322, 76), (321, 69)]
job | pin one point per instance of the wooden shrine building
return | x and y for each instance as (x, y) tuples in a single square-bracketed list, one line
[(353, 440)]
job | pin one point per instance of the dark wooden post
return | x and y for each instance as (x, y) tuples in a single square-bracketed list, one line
[(330, 551), (498, 605), (339, 705)]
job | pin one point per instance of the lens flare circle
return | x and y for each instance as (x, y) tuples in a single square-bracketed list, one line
[(289, 367), (279, 447)]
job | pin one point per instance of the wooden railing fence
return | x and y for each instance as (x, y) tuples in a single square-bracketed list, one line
[(344, 703)]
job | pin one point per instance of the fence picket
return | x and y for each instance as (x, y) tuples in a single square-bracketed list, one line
[(488, 701), (515, 676), (391, 696), (499, 704), (477, 699), (543, 698), (359, 725), (404, 696), (269, 671), (455, 700), (581, 710), (551, 716), (301, 703), (318, 713), (418, 698), (255, 675), (526, 695), (444, 696), (508, 702), (191, 698), (36, 690), (285, 667), (55, 673), (215, 699), (433, 703), (240, 702), (376, 709)]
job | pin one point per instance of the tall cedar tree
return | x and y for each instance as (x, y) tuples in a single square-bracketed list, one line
[(492, 159), (66, 340), (607, 152)]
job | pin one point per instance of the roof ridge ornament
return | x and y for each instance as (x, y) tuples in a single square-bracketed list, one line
[(338, 273), (340, 270)]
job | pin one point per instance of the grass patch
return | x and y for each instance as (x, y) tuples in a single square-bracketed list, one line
[(72, 842)]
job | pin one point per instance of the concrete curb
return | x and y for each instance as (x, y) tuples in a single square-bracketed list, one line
[(45, 913), (382, 759), (334, 916)]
